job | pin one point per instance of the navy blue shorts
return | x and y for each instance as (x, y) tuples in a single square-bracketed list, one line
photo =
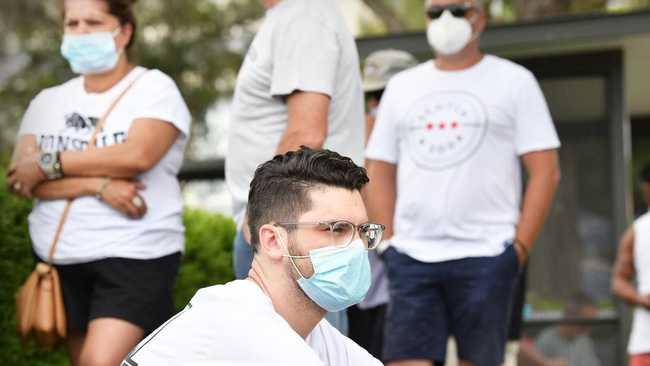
[(467, 298)]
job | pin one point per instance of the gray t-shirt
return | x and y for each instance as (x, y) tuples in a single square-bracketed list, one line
[(578, 351), (302, 45)]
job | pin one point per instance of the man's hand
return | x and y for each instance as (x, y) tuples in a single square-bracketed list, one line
[(25, 174), (522, 255), (122, 195)]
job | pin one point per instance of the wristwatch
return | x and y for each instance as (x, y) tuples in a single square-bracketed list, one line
[(50, 164)]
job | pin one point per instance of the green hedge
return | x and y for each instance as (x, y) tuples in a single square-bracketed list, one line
[(207, 261)]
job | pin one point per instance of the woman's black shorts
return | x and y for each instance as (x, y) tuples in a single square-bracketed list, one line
[(138, 291)]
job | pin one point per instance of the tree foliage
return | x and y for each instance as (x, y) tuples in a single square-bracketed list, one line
[(199, 43)]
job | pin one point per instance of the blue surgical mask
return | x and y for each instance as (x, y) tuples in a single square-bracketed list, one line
[(341, 276), (91, 53)]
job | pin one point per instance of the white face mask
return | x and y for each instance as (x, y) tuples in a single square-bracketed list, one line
[(449, 35)]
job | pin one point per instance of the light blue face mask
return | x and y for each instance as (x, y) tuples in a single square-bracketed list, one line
[(341, 276), (91, 53)]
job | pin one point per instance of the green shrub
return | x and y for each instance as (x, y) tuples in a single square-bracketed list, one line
[(208, 254), (15, 264), (207, 261)]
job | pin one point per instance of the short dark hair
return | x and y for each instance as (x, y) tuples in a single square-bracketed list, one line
[(645, 173), (279, 190)]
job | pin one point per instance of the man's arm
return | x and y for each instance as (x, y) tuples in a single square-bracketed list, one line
[(307, 121), (623, 273), (543, 178), (380, 193)]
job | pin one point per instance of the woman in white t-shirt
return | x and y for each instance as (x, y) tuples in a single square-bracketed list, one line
[(120, 247)]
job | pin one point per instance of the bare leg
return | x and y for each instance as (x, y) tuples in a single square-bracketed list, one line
[(108, 340), (464, 363), (74, 343)]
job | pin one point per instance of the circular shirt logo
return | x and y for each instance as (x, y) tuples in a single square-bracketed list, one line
[(445, 129)]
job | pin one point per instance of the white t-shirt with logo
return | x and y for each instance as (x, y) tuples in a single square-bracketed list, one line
[(456, 137), (236, 324), (302, 45), (63, 118)]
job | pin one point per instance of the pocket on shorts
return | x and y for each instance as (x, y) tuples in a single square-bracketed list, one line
[(510, 256)]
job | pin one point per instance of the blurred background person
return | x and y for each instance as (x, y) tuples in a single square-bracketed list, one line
[(444, 165), (299, 84), (366, 320), (565, 344), (120, 247), (633, 264), (378, 68)]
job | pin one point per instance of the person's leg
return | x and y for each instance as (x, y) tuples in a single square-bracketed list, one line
[(108, 340), (416, 321), (73, 343), (376, 334), (131, 298), (76, 288), (358, 326), (366, 328), (478, 293), (242, 256)]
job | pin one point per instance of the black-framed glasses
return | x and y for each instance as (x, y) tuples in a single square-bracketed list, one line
[(343, 232), (457, 10)]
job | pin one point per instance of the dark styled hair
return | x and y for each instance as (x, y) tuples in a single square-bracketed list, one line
[(280, 187), (123, 11), (645, 173)]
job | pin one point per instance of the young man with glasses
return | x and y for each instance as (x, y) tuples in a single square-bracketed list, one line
[(311, 236), (444, 163)]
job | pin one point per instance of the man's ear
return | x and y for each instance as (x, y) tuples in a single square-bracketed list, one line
[(272, 241)]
